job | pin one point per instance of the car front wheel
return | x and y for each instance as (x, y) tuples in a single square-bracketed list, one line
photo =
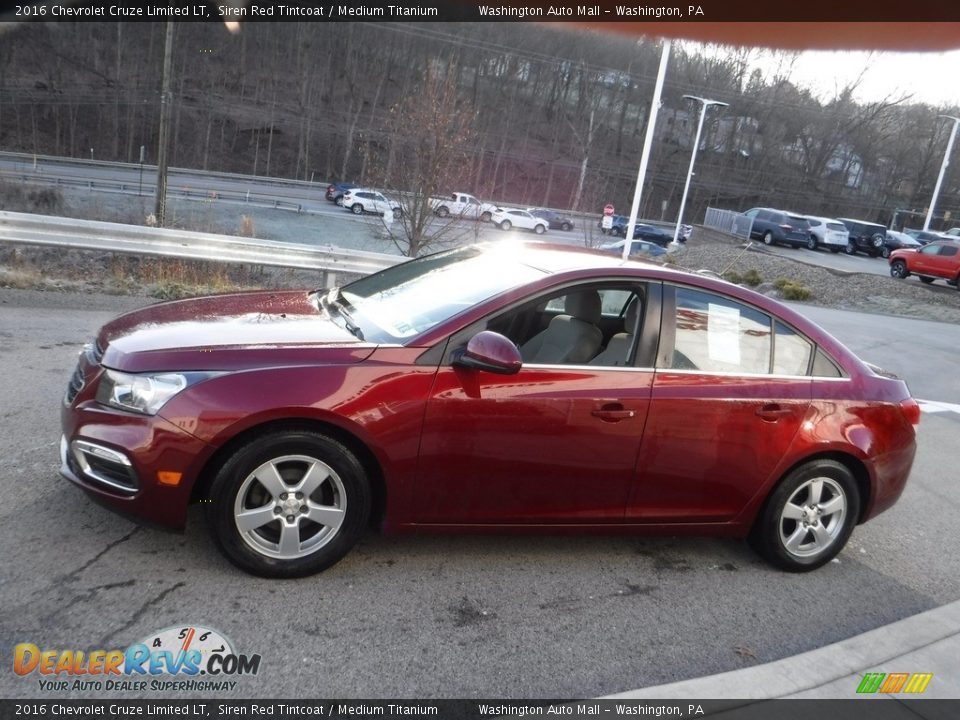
[(506, 225), (885, 252), (539, 229), (809, 517), (898, 269), (288, 504), (812, 242), (850, 248)]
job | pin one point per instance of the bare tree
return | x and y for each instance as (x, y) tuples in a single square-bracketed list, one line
[(430, 133)]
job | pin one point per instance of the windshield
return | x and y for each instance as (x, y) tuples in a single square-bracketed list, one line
[(406, 300)]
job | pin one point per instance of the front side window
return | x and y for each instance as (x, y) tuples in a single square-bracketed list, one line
[(929, 250)]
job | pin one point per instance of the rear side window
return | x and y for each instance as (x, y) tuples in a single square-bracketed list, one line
[(948, 250), (717, 334), (791, 354)]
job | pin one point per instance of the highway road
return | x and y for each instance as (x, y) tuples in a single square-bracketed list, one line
[(442, 617)]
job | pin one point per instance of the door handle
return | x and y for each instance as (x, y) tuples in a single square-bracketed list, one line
[(614, 412), (772, 412)]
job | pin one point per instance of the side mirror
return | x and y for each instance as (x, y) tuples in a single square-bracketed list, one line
[(490, 351)]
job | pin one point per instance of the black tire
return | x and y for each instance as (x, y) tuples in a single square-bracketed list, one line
[(485, 216), (506, 225), (398, 212), (834, 250), (339, 200), (850, 248), (356, 209), (773, 530), (885, 252), (566, 227), (768, 238), (344, 486), (443, 211), (812, 242), (926, 280), (898, 269), (539, 229), (876, 242)]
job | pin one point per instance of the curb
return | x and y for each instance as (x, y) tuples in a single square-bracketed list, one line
[(819, 668)]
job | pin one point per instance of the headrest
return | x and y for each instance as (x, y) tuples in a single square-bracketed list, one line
[(584, 305)]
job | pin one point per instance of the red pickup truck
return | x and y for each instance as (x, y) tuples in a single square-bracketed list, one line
[(939, 259)]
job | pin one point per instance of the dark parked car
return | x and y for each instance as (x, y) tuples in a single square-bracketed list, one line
[(897, 240), (776, 226), (925, 236), (865, 236), (335, 191), (488, 387), (940, 259), (641, 231), (555, 220)]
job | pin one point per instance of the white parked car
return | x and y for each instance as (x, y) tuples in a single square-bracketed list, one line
[(363, 200), (507, 218), (828, 233)]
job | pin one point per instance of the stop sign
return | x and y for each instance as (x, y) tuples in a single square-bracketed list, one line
[(608, 209)]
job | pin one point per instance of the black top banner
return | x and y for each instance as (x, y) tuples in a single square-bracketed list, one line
[(606, 11)]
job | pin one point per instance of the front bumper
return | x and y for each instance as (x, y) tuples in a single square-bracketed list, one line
[(119, 458)]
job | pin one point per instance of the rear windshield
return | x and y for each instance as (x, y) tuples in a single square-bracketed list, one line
[(837, 226)]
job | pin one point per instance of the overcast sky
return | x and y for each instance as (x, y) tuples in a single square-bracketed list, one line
[(931, 77)]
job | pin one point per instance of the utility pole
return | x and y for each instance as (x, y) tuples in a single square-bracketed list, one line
[(943, 169), (166, 101)]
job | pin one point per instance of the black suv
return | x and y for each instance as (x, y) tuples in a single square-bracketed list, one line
[(776, 226), (865, 236)]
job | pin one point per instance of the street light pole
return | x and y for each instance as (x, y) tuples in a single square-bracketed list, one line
[(165, 103), (705, 103), (645, 153), (943, 169)]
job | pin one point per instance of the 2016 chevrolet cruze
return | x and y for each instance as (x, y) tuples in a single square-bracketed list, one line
[(490, 388)]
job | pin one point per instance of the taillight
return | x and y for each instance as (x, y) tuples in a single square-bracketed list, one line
[(911, 410)]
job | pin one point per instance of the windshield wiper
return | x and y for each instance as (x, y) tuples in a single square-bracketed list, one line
[(333, 303)]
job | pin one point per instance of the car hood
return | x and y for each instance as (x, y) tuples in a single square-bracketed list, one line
[(226, 332)]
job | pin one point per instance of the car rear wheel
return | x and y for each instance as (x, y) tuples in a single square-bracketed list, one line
[(288, 504), (898, 269), (506, 225), (926, 280), (443, 211), (566, 227), (850, 248), (539, 229), (809, 517), (339, 200), (768, 238), (812, 242), (485, 217), (885, 252), (357, 209)]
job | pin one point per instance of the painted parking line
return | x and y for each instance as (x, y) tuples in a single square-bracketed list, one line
[(934, 406)]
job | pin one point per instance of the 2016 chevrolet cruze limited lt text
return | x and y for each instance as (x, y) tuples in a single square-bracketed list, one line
[(500, 387)]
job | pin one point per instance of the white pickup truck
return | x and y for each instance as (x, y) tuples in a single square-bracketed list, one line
[(462, 205)]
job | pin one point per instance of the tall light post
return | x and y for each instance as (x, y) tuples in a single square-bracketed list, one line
[(943, 169), (704, 104)]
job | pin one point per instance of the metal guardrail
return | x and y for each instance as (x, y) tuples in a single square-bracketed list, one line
[(728, 221), (45, 230)]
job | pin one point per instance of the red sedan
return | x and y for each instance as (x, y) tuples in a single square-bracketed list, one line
[(491, 388)]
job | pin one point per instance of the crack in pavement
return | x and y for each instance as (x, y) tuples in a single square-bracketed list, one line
[(141, 611), (73, 575)]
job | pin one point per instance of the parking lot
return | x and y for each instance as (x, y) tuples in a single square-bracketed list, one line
[(430, 616)]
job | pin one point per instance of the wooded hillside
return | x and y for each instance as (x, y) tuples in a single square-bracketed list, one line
[(558, 115)]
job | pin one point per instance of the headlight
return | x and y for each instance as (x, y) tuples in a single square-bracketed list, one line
[(144, 393)]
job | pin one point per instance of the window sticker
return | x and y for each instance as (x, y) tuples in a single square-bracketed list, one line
[(723, 334)]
